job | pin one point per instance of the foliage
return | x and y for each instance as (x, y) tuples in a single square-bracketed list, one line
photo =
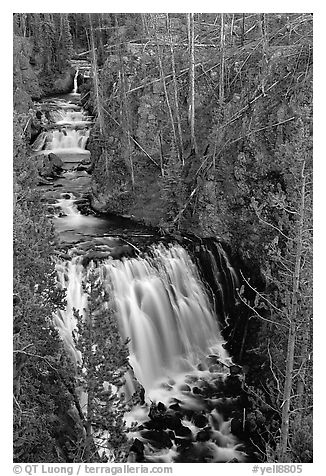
[(42, 374)]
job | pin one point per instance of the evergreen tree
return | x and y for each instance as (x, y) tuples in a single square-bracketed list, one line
[(100, 375)]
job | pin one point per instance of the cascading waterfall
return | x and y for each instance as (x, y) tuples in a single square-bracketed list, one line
[(70, 275), (75, 90), (70, 134), (164, 310), (68, 139), (162, 306)]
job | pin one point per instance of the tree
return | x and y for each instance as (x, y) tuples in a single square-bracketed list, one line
[(100, 374), (288, 214), (191, 38), (97, 92), (42, 373)]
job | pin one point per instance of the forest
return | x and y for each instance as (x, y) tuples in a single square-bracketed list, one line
[(198, 133)]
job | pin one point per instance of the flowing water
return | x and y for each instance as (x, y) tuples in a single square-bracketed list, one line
[(176, 348)]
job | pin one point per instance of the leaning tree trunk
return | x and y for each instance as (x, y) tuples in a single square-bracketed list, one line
[(191, 36), (96, 80)]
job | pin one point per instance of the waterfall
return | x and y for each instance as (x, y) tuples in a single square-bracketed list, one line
[(176, 351), (66, 116), (68, 207), (71, 139), (70, 276), (75, 90), (162, 306)]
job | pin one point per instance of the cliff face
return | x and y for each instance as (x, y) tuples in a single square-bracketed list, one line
[(25, 79), (28, 80), (240, 142)]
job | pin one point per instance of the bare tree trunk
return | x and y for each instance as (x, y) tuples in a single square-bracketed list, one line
[(191, 36), (166, 93), (175, 86), (222, 52), (125, 117), (300, 388), (232, 30), (96, 81), (144, 23), (283, 446), (263, 31), (161, 153), (243, 29)]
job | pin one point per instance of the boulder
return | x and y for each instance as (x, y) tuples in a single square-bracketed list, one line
[(85, 161), (235, 370), (122, 251), (200, 421), (183, 431), (185, 388), (94, 256), (82, 168), (49, 165), (204, 435), (56, 162), (137, 448), (158, 439)]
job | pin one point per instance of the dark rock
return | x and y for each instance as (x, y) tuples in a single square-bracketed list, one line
[(43, 181), (196, 391), (200, 421), (161, 407), (155, 424), (175, 406), (185, 388), (232, 385), (204, 435), (123, 251), (94, 256), (235, 370), (172, 422), (183, 431), (82, 168), (212, 359), (155, 412), (81, 201), (56, 162), (138, 449), (66, 196), (183, 443), (158, 439), (237, 427)]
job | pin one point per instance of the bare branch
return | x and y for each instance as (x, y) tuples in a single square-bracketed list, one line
[(262, 296)]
